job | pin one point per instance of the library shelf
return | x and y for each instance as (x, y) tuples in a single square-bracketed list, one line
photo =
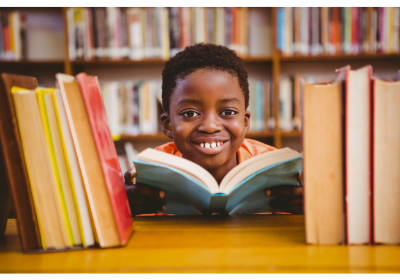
[(327, 57)]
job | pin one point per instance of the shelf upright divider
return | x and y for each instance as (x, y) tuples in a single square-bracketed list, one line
[(276, 63), (67, 62)]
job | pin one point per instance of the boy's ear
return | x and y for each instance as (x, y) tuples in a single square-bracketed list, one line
[(247, 116), (166, 125)]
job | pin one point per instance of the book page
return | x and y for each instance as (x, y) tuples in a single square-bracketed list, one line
[(190, 168), (247, 168)]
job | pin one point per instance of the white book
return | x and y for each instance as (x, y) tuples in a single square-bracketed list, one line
[(357, 152), (220, 26), (199, 25), (288, 45), (285, 99), (304, 30), (135, 33)]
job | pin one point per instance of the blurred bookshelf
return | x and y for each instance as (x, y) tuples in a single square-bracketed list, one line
[(259, 43)]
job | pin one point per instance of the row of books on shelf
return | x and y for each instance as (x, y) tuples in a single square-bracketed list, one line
[(351, 149), (261, 106), (334, 30), (12, 36), (147, 33), (61, 164), (133, 107)]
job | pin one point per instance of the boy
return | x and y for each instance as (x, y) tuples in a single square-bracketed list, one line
[(205, 94)]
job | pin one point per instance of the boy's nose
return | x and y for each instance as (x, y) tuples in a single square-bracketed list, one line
[(210, 124)]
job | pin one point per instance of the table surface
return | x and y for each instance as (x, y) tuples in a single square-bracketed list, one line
[(208, 244)]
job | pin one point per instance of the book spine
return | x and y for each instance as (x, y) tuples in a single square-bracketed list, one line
[(79, 33), (124, 33), (175, 29), (165, 34), (1, 37), (396, 32)]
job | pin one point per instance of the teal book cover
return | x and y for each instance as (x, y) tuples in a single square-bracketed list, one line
[(187, 195)]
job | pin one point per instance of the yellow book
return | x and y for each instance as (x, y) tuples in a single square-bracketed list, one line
[(38, 164), (11, 34), (66, 204), (74, 174)]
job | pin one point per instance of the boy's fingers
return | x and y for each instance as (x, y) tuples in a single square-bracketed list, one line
[(284, 190), (130, 176), (300, 178), (145, 190), (284, 203)]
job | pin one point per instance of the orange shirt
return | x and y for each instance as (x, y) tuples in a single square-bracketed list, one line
[(250, 148)]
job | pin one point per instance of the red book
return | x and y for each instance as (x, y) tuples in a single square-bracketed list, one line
[(107, 153)]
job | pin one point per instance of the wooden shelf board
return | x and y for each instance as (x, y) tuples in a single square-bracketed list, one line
[(158, 136), (33, 63), (266, 58), (97, 62), (266, 134), (106, 62), (341, 57), (293, 133)]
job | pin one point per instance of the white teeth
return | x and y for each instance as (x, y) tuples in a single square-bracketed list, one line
[(218, 144), (213, 145), (202, 145), (207, 145)]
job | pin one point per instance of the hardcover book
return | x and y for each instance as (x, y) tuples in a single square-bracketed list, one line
[(192, 190)]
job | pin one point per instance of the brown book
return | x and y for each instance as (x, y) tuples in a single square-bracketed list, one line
[(323, 164), (5, 195), (386, 164), (15, 163)]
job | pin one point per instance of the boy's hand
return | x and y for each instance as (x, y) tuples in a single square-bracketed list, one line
[(143, 199), (289, 198)]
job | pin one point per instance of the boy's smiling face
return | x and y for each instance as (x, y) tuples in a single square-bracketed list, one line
[(208, 120)]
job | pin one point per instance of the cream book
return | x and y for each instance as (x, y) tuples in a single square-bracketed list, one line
[(193, 190)]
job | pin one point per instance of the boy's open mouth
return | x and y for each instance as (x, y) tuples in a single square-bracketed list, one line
[(211, 147)]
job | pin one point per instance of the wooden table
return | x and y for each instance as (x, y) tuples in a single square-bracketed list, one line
[(248, 243)]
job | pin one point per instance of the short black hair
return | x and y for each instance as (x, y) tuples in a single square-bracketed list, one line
[(202, 56)]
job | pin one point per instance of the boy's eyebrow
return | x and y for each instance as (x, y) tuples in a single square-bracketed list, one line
[(231, 99), (190, 101)]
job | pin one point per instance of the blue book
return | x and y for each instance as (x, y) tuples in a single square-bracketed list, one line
[(281, 28), (192, 190)]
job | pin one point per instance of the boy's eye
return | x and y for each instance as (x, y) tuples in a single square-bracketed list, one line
[(190, 114), (228, 113)]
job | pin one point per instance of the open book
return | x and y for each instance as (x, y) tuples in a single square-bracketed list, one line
[(191, 190)]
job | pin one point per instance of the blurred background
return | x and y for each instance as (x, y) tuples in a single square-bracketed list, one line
[(127, 47)]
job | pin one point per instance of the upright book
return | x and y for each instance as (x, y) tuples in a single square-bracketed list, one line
[(357, 152), (192, 190), (15, 164), (386, 164), (323, 163)]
